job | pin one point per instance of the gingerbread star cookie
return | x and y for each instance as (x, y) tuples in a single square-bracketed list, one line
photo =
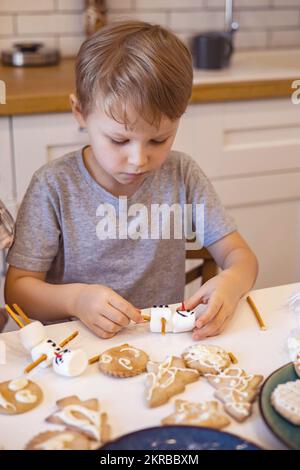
[(82, 416), (19, 396), (59, 440), (206, 358), (123, 361), (167, 379), (208, 414), (285, 399)]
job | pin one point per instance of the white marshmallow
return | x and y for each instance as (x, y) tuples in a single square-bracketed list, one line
[(183, 320), (157, 313), (32, 334), (47, 347), (70, 363)]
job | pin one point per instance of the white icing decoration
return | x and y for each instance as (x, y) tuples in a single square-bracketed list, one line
[(105, 359), (136, 352), (91, 422), (125, 363), (17, 384), (6, 404), (56, 442), (163, 369), (25, 396), (288, 396)]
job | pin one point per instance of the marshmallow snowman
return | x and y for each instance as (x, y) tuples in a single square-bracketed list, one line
[(176, 322), (47, 347), (32, 334), (70, 363)]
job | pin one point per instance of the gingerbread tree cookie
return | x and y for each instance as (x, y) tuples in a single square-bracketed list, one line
[(82, 416), (167, 379), (208, 414)]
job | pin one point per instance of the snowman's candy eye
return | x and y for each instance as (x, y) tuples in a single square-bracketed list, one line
[(66, 350), (57, 349), (161, 306)]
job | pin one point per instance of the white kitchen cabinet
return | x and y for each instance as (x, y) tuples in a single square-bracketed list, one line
[(251, 152), (38, 139)]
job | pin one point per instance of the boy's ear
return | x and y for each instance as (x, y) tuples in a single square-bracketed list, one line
[(76, 109)]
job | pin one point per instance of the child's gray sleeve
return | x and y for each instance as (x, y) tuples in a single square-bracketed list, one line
[(210, 220), (37, 231)]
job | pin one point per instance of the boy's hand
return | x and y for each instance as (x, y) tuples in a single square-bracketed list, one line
[(103, 310), (221, 296)]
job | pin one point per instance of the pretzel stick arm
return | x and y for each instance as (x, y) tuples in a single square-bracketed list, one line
[(12, 314)]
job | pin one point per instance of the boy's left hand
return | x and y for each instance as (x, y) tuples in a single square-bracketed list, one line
[(221, 296)]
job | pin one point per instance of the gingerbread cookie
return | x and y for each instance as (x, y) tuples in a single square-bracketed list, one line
[(208, 414), (19, 396), (235, 403), (167, 379), (285, 399), (123, 361), (236, 378), (82, 416), (206, 358), (59, 440)]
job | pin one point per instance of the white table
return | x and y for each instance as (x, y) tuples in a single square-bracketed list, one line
[(258, 351)]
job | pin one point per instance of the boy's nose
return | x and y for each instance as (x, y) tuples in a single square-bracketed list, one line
[(138, 158)]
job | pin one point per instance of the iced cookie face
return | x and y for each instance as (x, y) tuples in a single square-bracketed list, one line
[(123, 361), (206, 358), (19, 396)]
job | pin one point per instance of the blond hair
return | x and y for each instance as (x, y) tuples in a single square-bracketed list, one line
[(134, 64)]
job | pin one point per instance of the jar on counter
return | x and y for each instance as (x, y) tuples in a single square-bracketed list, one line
[(95, 15)]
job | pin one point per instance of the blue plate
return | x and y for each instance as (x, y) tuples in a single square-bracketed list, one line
[(180, 438), (287, 432)]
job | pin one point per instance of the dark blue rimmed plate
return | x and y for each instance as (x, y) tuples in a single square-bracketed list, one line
[(287, 432), (180, 438)]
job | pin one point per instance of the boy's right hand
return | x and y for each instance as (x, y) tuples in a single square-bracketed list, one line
[(103, 310)]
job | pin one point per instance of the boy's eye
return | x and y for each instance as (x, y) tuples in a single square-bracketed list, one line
[(159, 142), (119, 142)]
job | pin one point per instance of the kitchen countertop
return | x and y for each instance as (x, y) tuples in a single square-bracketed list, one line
[(123, 399), (252, 75)]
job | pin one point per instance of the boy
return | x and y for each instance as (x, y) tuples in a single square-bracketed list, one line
[(133, 84), (6, 239)]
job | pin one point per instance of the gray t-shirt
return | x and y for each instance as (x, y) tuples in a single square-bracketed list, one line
[(64, 213)]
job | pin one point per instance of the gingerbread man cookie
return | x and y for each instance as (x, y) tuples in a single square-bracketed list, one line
[(206, 358), (167, 379), (123, 361), (19, 396), (59, 440), (82, 416), (285, 399), (208, 414)]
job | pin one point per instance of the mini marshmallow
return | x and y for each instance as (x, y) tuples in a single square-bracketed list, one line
[(32, 334), (157, 313), (183, 320), (47, 347), (70, 363)]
